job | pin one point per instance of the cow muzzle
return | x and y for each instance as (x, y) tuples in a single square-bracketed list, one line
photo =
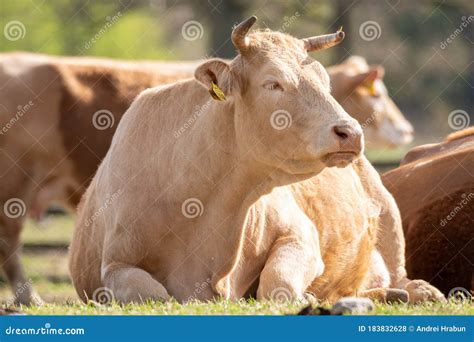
[(350, 142)]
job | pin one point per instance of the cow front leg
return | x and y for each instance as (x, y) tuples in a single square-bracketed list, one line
[(391, 245), (10, 256), (132, 284), (290, 269)]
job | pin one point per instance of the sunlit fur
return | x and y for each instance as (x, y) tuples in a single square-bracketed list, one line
[(141, 246)]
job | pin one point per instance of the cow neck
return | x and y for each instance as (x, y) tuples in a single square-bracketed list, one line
[(239, 183)]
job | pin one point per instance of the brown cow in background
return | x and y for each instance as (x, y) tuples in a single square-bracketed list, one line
[(434, 189)]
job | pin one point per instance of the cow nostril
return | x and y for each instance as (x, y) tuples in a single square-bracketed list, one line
[(341, 132)]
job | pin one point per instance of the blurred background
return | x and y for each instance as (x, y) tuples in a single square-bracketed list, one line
[(426, 47)]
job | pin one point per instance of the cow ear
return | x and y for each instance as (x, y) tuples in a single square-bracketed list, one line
[(379, 69), (374, 73), (215, 76)]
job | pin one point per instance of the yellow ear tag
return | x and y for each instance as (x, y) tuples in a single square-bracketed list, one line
[(216, 92), (370, 86), (340, 29)]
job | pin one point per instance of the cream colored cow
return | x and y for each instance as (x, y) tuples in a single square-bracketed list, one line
[(276, 124), (52, 146), (360, 90), (190, 211)]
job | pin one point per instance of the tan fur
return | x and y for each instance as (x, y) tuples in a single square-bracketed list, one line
[(49, 148), (434, 182), (460, 134), (282, 242), (251, 159), (383, 123), (70, 90)]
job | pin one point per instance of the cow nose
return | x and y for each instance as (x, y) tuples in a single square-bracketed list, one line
[(342, 132), (349, 137)]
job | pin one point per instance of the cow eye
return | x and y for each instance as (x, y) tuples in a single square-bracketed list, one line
[(273, 85)]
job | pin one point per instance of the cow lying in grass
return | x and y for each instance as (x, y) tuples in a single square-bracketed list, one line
[(434, 189), (58, 116), (190, 210)]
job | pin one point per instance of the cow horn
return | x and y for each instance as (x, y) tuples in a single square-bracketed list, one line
[(323, 42), (239, 33)]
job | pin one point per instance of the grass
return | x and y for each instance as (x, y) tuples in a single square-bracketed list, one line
[(222, 307), (52, 230), (48, 272)]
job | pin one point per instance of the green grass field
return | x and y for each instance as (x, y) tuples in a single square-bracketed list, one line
[(48, 272)]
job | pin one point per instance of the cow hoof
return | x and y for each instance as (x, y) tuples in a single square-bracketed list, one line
[(309, 299), (31, 300), (353, 305), (421, 291), (396, 296)]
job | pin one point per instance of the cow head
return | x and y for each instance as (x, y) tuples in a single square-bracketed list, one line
[(284, 114), (360, 90)]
